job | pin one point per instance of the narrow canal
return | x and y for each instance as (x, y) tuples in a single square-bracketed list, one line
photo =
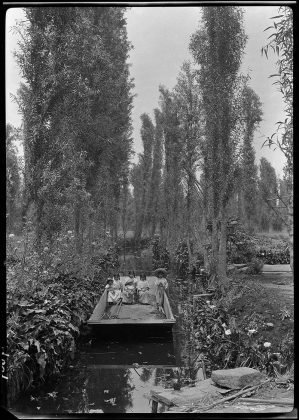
[(112, 375), (108, 376)]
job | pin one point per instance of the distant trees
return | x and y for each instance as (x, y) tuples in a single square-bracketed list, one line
[(247, 187), (268, 195), (145, 165), (13, 181), (76, 104)]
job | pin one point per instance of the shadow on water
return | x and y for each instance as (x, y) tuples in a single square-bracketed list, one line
[(110, 376)]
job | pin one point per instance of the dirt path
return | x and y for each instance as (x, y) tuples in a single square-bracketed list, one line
[(280, 281)]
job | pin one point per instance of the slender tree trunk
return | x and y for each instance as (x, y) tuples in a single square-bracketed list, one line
[(205, 248), (90, 228), (188, 205), (221, 269), (38, 230), (140, 217), (77, 224), (153, 229), (290, 225), (240, 205), (215, 247)]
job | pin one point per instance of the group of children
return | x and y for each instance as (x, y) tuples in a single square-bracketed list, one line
[(135, 291)]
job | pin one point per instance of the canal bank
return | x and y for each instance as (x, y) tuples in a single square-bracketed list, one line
[(116, 376)]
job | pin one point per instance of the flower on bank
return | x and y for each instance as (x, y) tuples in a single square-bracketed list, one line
[(11, 235), (267, 344), (223, 325), (227, 332), (69, 232), (253, 331)]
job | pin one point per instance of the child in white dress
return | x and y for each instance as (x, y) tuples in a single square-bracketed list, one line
[(113, 295), (143, 290)]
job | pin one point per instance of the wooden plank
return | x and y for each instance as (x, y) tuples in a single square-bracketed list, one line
[(234, 396), (99, 309), (280, 268), (167, 308), (154, 406), (131, 321), (157, 397), (140, 366), (261, 401)]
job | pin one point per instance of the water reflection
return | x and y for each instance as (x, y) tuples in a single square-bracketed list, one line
[(110, 390), (109, 377)]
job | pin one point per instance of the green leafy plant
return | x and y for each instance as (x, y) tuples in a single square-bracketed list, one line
[(255, 266), (49, 297), (182, 260), (161, 256)]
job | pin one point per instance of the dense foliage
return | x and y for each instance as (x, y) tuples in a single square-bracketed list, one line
[(227, 332), (76, 106), (161, 257), (49, 296), (244, 248)]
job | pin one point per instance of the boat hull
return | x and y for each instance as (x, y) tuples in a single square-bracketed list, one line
[(135, 318)]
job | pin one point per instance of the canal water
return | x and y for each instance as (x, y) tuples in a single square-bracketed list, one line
[(110, 375), (107, 376)]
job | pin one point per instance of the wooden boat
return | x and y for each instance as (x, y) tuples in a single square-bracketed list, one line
[(135, 314)]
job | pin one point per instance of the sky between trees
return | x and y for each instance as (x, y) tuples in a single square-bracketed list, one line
[(160, 37)]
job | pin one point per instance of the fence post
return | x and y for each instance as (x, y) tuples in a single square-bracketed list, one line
[(154, 406)]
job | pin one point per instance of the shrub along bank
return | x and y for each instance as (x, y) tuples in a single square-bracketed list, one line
[(46, 308), (244, 247), (244, 325), (42, 329)]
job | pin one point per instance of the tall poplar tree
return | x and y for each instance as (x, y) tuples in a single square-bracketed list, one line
[(76, 110), (188, 101), (172, 174), (218, 49), (146, 161), (154, 209)]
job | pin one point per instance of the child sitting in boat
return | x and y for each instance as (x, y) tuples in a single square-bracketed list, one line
[(143, 294), (117, 284), (113, 295), (129, 289)]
